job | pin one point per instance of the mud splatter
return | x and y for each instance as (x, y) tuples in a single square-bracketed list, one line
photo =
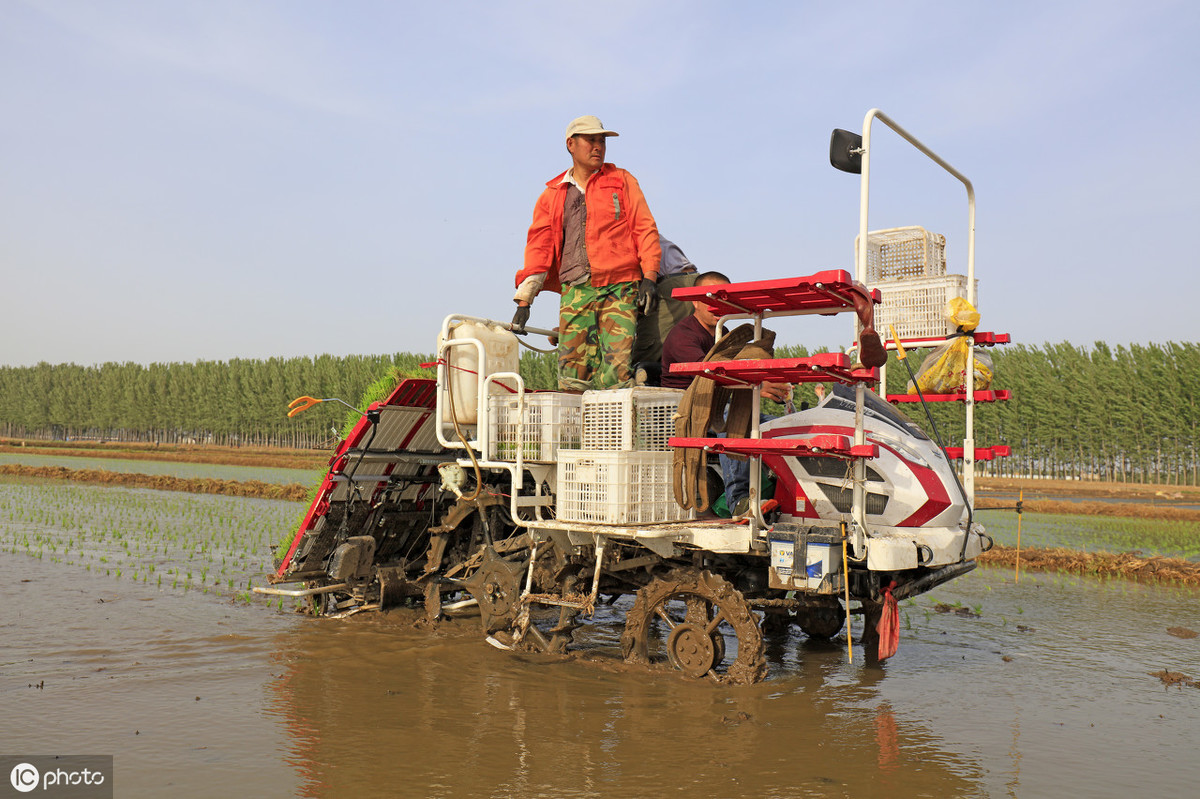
[(1174, 678)]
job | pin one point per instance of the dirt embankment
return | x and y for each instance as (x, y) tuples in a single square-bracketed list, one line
[(293, 492), (1132, 500), (175, 453), (1125, 500), (1129, 565), (1124, 510), (1141, 492)]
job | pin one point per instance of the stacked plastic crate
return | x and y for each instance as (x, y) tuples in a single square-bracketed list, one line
[(552, 421), (908, 266), (622, 474)]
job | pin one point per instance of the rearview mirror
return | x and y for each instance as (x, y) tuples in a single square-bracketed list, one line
[(845, 151)]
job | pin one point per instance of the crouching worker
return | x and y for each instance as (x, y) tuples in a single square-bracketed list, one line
[(594, 240), (676, 271), (710, 408)]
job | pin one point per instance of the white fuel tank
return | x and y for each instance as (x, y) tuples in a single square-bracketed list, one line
[(463, 371)]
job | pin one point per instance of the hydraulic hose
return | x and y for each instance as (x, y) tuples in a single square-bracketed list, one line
[(903, 356)]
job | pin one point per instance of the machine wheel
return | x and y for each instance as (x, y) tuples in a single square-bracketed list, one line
[(823, 621), (701, 612), (535, 627), (496, 585), (683, 618), (777, 622)]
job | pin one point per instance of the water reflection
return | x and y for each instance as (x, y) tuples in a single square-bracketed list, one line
[(374, 706), (1048, 692)]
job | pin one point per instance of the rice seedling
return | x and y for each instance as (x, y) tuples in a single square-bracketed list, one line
[(1169, 538), (225, 542)]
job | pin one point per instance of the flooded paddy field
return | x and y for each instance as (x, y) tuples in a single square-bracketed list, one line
[(171, 540), (1042, 687), (1176, 539)]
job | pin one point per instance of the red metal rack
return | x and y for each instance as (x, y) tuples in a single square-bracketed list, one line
[(981, 453), (825, 293), (820, 368), (997, 395), (828, 445)]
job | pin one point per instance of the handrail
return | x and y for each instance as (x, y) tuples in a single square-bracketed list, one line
[(861, 264), (481, 440), (861, 272)]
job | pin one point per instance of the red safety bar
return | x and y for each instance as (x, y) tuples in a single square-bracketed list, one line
[(982, 339), (820, 368), (981, 453), (829, 445), (980, 396), (827, 292)]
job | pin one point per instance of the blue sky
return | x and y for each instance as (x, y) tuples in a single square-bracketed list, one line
[(231, 179)]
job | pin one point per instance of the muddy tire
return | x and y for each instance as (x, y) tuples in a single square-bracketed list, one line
[(684, 618), (823, 622)]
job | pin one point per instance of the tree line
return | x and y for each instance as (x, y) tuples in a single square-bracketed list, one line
[(1122, 414), (241, 402), (1125, 414)]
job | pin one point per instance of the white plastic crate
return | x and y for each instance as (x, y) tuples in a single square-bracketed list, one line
[(629, 419), (552, 420), (617, 488), (903, 253), (917, 307)]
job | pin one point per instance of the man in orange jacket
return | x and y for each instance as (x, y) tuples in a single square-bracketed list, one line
[(594, 240)]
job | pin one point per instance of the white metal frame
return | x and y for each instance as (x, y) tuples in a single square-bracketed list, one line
[(482, 439), (861, 275)]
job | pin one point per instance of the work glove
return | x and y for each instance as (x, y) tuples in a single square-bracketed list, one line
[(520, 318), (647, 296), (870, 349)]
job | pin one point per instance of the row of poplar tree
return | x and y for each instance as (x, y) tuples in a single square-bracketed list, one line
[(1110, 413), (240, 402)]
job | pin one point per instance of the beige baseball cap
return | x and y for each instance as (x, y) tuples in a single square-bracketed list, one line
[(587, 126)]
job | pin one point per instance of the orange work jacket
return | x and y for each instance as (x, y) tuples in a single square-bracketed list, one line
[(621, 236)]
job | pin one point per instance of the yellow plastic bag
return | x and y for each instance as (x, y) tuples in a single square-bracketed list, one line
[(944, 370), (961, 314)]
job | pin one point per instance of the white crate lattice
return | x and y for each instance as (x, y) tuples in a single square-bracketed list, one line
[(617, 488), (903, 253), (917, 307), (629, 419), (552, 421)]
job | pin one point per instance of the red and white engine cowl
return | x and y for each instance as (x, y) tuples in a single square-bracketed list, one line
[(910, 484)]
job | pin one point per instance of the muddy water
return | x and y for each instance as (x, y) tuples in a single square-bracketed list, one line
[(196, 696), (174, 686), (1037, 687)]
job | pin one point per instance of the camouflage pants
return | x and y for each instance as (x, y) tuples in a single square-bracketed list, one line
[(595, 340)]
